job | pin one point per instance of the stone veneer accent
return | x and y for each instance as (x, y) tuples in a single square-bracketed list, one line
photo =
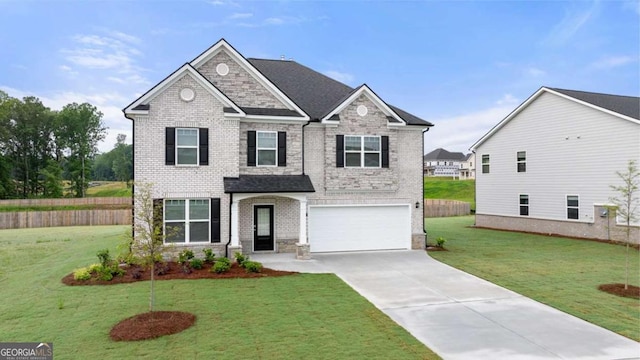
[(241, 87), (599, 229)]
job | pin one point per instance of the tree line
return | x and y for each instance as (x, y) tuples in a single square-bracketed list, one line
[(46, 153)]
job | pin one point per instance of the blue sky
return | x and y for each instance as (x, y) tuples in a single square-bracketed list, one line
[(462, 65)]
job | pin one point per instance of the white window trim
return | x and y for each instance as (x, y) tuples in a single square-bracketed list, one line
[(567, 207), (521, 205), (258, 148), (518, 162), (197, 146), (186, 222), (362, 151), (488, 163)]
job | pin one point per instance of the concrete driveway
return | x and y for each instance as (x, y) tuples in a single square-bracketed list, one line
[(458, 315)]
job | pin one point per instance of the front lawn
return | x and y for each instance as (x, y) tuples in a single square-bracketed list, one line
[(301, 316), (450, 189), (563, 273)]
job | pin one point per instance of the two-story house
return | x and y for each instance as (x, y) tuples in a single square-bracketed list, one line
[(269, 155), (548, 167), (468, 167), (443, 163)]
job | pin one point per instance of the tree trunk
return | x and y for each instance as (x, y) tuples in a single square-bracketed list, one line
[(151, 295)]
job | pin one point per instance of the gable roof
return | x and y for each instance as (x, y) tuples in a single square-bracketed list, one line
[(317, 94), (624, 107), (442, 154)]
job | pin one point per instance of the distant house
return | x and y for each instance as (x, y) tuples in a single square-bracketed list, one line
[(548, 166), (468, 167), (441, 162)]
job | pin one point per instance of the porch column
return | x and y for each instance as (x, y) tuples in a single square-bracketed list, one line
[(235, 236), (303, 222)]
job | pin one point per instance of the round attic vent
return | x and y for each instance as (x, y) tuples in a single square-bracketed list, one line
[(187, 94), (222, 69), (362, 110)]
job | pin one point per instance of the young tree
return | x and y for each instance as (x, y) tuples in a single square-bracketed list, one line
[(627, 203), (148, 241)]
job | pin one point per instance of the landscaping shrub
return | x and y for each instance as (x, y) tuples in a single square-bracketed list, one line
[(104, 257), (93, 268), (136, 274), (252, 266), (222, 265), (209, 256), (104, 273), (440, 241), (240, 258), (184, 256), (162, 268), (82, 274), (197, 263)]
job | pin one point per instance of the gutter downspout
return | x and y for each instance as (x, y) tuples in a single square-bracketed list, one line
[(475, 187), (424, 228), (133, 178), (226, 246)]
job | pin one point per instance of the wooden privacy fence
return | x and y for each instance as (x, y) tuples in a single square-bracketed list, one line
[(33, 219), (445, 208), (101, 215)]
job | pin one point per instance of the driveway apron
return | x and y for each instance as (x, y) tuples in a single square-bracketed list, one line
[(458, 315)]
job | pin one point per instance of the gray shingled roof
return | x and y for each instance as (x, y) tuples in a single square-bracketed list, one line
[(625, 105), (442, 154), (268, 184), (312, 91)]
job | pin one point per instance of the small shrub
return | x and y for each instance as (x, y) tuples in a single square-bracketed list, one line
[(93, 268), (240, 258), (104, 257), (209, 256), (252, 266), (104, 273), (440, 241), (136, 273), (221, 266), (82, 274), (185, 256), (197, 263), (162, 268), (117, 270)]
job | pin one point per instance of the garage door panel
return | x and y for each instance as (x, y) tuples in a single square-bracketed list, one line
[(353, 228)]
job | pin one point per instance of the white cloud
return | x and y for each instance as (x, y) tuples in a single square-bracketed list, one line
[(613, 61), (535, 72), (340, 76), (458, 133), (240, 16), (570, 24)]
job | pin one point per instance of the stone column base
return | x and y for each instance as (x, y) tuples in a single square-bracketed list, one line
[(303, 251), (418, 241), (231, 250)]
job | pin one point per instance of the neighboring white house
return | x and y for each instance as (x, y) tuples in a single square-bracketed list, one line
[(548, 166), (468, 167), (269, 155), (441, 162)]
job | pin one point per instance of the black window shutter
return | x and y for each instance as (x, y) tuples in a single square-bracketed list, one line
[(157, 215), (282, 148), (170, 146), (339, 150), (251, 148), (385, 151), (215, 220), (204, 146)]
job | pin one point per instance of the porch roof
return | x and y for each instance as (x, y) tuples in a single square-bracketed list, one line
[(268, 184)]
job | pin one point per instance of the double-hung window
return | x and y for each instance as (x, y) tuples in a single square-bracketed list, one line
[(573, 204), (524, 205), (267, 148), (362, 151), (187, 146), (521, 159), (485, 163), (187, 220)]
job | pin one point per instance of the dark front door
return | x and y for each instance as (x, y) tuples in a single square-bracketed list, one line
[(263, 227)]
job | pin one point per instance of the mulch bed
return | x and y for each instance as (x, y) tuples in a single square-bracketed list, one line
[(618, 289), (175, 271), (436, 248), (151, 325)]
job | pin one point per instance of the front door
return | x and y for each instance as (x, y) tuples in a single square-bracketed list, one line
[(263, 228)]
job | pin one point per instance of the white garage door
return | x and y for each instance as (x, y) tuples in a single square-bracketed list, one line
[(352, 228)]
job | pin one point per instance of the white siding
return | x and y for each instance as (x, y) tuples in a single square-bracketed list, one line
[(572, 149)]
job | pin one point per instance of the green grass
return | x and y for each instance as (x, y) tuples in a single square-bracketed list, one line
[(109, 189), (303, 316), (563, 273), (450, 189)]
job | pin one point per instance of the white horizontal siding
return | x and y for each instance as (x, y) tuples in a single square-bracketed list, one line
[(572, 149)]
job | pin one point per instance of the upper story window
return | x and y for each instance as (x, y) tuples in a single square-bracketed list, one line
[(267, 148), (485, 163), (361, 151), (522, 161), (186, 146), (573, 205), (524, 205)]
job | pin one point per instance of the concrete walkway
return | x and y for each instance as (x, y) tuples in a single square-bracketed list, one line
[(458, 315)]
